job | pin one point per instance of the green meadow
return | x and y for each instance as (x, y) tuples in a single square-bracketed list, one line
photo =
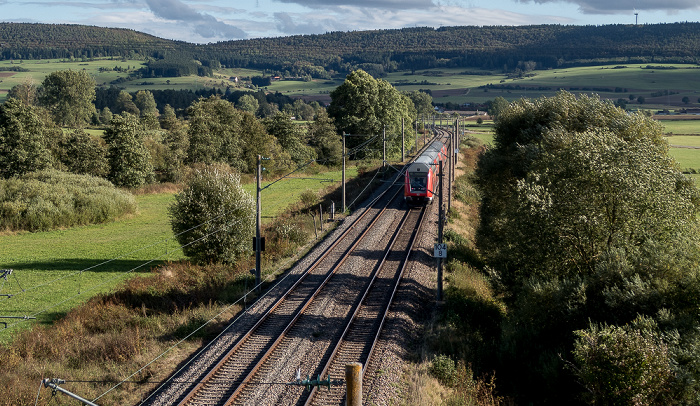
[(53, 271), (677, 128), (38, 69)]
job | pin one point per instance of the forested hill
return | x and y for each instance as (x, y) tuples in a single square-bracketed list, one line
[(410, 48), (48, 41), (488, 47)]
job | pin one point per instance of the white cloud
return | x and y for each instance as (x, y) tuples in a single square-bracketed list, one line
[(625, 6)]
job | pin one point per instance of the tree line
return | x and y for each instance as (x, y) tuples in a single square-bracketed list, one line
[(376, 52), (589, 233), (144, 142)]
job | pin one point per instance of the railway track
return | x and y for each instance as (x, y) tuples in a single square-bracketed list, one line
[(362, 332), (332, 314), (231, 378)]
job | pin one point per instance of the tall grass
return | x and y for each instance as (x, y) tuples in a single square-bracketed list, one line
[(50, 199)]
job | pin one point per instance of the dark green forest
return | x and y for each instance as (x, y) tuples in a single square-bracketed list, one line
[(379, 51)]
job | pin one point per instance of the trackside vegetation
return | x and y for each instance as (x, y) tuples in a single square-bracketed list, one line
[(589, 234), (121, 332), (49, 199)]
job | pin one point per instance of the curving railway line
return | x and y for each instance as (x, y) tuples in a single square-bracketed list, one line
[(320, 318)]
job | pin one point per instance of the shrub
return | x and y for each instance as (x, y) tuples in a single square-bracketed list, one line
[(443, 368), (84, 154), (50, 199), (308, 198), (213, 218), (622, 365)]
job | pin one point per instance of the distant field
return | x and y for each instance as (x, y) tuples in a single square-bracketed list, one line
[(38, 69), (684, 127), (684, 81), (456, 85)]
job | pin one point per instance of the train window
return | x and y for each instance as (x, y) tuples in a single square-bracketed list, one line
[(418, 181)]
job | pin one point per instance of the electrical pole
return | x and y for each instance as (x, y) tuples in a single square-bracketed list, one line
[(403, 142), (343, 173), (440, 231), (416, 146), (384, 147), (257, 227), (450, 165)]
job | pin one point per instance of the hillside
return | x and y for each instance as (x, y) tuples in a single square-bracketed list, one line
[(485, 47), (500, 47), (50, 41)]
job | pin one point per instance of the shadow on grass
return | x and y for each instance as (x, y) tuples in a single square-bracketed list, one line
[(87, 265)]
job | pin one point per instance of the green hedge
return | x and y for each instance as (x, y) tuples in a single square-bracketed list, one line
[(50, 199)]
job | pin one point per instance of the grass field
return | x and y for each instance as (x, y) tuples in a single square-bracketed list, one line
[(48, 265), (681, 127), (456, 85), (38, 69)]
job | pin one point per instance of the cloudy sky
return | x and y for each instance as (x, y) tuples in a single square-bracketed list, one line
[(203, 21)]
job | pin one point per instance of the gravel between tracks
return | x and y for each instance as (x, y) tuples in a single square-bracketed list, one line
[(414, 301), (195, 369)]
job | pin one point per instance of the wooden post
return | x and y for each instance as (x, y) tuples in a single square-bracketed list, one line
[(353, 384)]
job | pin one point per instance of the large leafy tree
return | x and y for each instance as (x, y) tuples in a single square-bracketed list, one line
[(248, 103), (213, 217), (324, 138), (69, 96), (585, 219), (146, 103), (176, 142), (422, 101), (366, 106), (214, 128), (84, 154), (125, 103), (25, 91), (571, 180), (220, 133), (291, 137), (129, 159), (25, 139), (259, 142)]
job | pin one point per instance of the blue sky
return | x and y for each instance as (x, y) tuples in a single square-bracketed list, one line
[(204, 21)]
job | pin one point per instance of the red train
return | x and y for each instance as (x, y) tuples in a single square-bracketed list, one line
[(421, 177)]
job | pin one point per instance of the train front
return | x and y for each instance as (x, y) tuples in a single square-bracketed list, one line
[(418, 181)]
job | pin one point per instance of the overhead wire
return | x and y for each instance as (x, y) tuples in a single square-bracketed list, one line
[(356, 149), (243, 298), (95, 287), (52, 281)]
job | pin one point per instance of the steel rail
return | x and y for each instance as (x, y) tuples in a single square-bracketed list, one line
[(298, 314), (241, 341), (397, 281)]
